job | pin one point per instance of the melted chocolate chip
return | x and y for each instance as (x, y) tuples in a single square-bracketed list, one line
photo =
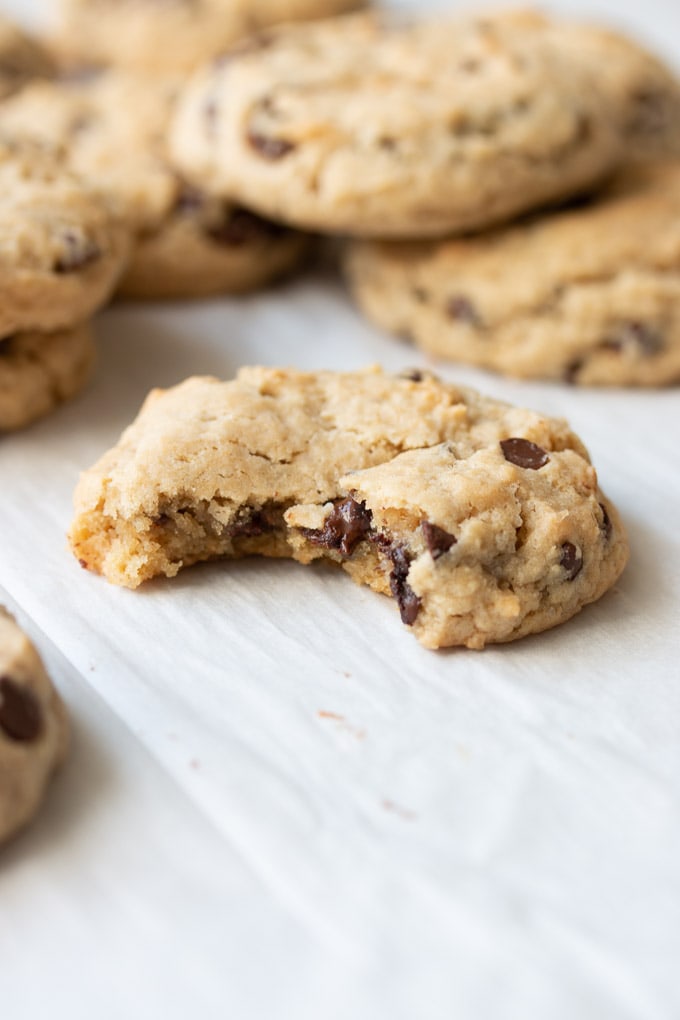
[(636, 336), (243, 226), (347, 525), (268, 147), (20, 714), (571, 560), (6, 346), (409, 602), (251, 527), (438, 541), (606, 525), (461, 309), (524, 453), (77, 253)]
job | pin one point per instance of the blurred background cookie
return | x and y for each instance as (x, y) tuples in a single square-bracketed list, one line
[(588, 294), (367, 127), (177, 35), (112, 128), (40, 371)]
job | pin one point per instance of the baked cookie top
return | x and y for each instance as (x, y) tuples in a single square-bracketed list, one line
[(587, 293), (484, 521), (112, 128), (178, 35), (370, 127), (63, 244), (33, 728), (21, 58)]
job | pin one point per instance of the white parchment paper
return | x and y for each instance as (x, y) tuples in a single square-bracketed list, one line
[(278, 805)]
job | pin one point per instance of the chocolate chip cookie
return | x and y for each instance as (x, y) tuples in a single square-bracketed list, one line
[(377, 129), (113, 129), (33, 728), (40, 371), (588, 294), (177, 35), (21, 58), (485, 522), (63, 244)]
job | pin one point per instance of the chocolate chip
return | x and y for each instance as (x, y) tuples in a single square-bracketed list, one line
[(189, 200), (524, 454), (411, 375), (241, 226), (438, 541), (606, 525), (409, 602), (77, 253), (252, 526), (461, 309), (650, 114), (268, 147), (634, 336), (572, 370), (571, 560), (20, 714), (347, 525), (6, 346)]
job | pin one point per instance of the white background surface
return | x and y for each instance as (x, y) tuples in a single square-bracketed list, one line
[(278, 805)]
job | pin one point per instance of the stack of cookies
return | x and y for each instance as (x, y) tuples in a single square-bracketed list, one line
[(423, 135), (112, 128), (63, 249)]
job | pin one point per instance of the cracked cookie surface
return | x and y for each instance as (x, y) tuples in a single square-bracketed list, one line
[(63, 243), (485, 522), (39, 371), (177, 35), (112, 129), (377, 129), (33, 728), (588, 294)]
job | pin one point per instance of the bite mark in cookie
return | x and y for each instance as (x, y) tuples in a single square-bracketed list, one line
[(453, 504)]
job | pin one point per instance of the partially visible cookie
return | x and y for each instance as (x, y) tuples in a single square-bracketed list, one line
[(175, 36), (63, 244), (206, 247), (641, 87), (485, 522), (113, 129), (40, 371), (21, 58), (588, 294), (377, 129), (33, 728)]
